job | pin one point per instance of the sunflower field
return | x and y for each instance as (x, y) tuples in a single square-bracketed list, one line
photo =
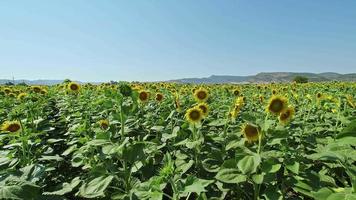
[(178, 141)]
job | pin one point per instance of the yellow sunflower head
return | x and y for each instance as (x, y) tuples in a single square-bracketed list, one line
[(251, 132), (11, 94), (11, 126), (43, 91), (159, 97), (350, 101), (143, 96), (104, 124), (201, 94), (194, 115), (36, 89), (277, 104), (286, 115), (204, 108), (21, 96), (74, 87), (319, 95), (7, 90)]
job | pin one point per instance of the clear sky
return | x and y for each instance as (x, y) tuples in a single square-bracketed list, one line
[(145, 40)]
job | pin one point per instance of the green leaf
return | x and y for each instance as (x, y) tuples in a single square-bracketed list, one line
[(230, 176), (20, 191), (65, 187), (95, 188), (273, 193), (218, 122), (293, 167), (196, 185), (257, 178), (183, 166), (322, 194), (249, 164), (349, 131), (48, 158), (134, 152)]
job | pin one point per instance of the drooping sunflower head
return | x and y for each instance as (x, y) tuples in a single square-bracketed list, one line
[(251, 132), (11, 94), (201, 94), (286, 115), (143, 96), (36, 89), (21, 96), (194, 115), (277, 104), (159, 97), (204, 108), (7, 90), (104, 124), (43, 91), (74, 87), (11, 126)]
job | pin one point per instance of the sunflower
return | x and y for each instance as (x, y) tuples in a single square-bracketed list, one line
[(72, 86), (236, 92), (11, 126), (104, 124), (277, 104), (274, 92), (240, 101), (11, 94), (350, 101), (201, 94), (7, 90), (251, 132), (204, 108), (43, 91), (143, 95), (319, 95), (286, 115), (194, 115), (21, 96), (159, 97), (36, 89)]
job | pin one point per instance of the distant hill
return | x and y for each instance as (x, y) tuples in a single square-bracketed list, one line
[(269, 77), (263, 77)]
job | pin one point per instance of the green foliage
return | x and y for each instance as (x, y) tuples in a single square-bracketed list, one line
[(148, 150), (300, 79)]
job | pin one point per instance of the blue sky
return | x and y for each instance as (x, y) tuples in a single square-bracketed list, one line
[(101, 40)]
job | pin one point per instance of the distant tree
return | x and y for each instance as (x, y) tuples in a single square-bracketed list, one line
[(300, 79), (113, 82), (9, 83), (22, 84), (67, 81)]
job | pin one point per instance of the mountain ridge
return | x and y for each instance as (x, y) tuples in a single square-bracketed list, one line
[(267, 77), (262, 77)]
